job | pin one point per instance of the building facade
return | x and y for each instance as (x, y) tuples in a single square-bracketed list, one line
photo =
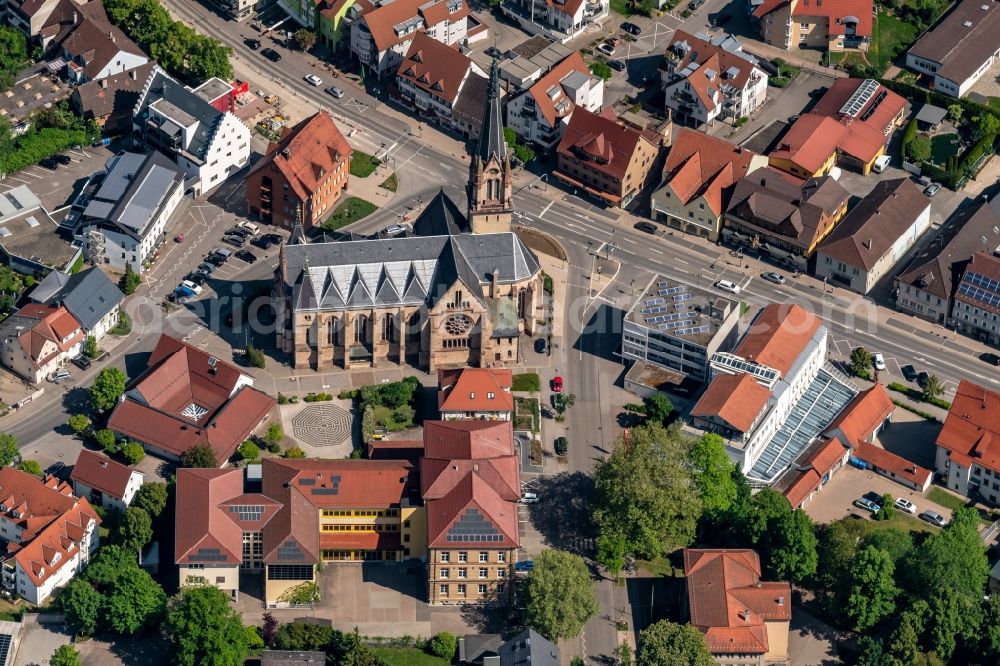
[(812, 24), (968, 446), (977, 299), (561, 21), (475, 393), (38, 340), (959, 49), (105, 482)]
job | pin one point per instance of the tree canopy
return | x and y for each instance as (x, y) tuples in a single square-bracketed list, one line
[(136, 529), (873, 589), (713, 473), (65, 655), (9, 451), (666, 642), (644, 491), (204, 629), (108, 386), (131, 599), (81, 604), (151, 498), (561, 595), (200, 455)]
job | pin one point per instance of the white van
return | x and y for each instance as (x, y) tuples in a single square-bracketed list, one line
[(249, 226), (726, 285), (881, 163)]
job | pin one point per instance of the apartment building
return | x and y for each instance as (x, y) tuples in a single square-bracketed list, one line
[(38, 339), (705, 78), (561, 21), (475, 393), (105, 482), (93, 48), (383, 31), (828, 25), (49, 534), (541, 113), (968, 446), (302, 177), (194, 127), (977, 299), (960, 48)]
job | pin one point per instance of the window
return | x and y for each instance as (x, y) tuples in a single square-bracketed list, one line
[(461, 589), (388, 330), (443, 589), (501, 573), (484, 556), (247, 512), (360, 329), (445, 572), (446, 557), (463, 572), (463, 556), (501, 556), (482, 590), (484, 572)]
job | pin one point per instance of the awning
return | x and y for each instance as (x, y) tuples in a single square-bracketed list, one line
[(613, 199), (56, 65)]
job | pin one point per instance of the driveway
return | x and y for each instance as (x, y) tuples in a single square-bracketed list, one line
[(811, 641), (836, 499)]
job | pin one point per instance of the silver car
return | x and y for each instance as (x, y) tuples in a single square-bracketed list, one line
[(934, 518)]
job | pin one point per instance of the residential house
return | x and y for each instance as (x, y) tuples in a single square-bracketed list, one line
[(90, 296), (679, 327), (41, 20), (109, 101), (332, 15), (874, 236), (968, 446), (744, 619), (774, 394), (607, 158), (833, 25), (50, 534), (527, 647), (961, 47), (302, 177), (783, 217), (195, 127), (382, 31), (850, 126), (432, 79), (926, 287), (39, 339), (698, 179), (705, 78), (292, 658), (540, 114), (977, 299), (560, 20), (93, 48), (187, 397), (105, 482), (470, 484), (475, 393), (125, 219)]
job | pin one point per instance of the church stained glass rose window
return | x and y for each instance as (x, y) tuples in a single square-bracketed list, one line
[(458, 324)]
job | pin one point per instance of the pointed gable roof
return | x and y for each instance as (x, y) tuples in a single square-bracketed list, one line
[(434, 65), (469, 390), (472, 513), (492, 144), (736, 399), (203, 531), (701, 165)]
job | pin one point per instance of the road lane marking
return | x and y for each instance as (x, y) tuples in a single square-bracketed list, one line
[(545, 210)]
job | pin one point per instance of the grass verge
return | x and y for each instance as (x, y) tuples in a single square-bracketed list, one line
[(363, 164), (945, 499), (408, 657), (349, 211), (526, 381), (391, 183)]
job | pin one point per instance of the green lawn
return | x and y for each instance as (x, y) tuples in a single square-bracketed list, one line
[(391, 183), (363, 164), (945, 499), (892, 37), (942, 147), (10, 281), (526, 381), (408, 657), (350, 210), (786, 73), (903, 521), (995, 102), (384, 419), (660, 567)]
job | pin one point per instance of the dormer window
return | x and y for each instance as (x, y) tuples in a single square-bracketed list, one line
[(55, 558), (472, 395), (490, 395)]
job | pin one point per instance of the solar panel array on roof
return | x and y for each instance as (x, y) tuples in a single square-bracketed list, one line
[(672, 290), (473, 527), (656, 310), (682, 297), (290, 550), (986, 297), (208, 555), (663, 284), (871, 109), (655, 301), (737, 364), (692, 331), (670, 317), (852, 107), (5, 640)]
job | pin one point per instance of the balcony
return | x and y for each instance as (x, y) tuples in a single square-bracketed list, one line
[(592, 9)]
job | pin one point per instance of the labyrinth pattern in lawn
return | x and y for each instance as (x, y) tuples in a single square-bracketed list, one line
[(322, 425)]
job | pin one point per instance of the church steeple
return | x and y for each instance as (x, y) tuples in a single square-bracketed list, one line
[(490, 187)]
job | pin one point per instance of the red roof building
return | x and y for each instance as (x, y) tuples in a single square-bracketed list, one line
[(188, 398), (739, 614), (475, 393), (303, 175), (968, 446), (50, 534), (834, 25), (104, 481), (814, 467), (38, 339), (734, 402)]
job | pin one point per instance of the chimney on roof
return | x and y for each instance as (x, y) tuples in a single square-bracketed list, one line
[(104, 83), (132, 74), (475, 467), (111, 35), (867, 243), (495, 283), (75, 16)]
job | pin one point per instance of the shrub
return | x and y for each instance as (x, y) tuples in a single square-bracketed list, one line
[(274, 434), (31, 467), (255, 357), (282, 399), (294, 452), (133, 452), (90, 349), (348, 394), (107, 441), (79, 423), (443, 645), (130, 280), (562, 446), (248, 451), (547, 283), (918, 149)]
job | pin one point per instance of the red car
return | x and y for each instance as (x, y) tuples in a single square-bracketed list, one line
[(179, 238), (557, 384)]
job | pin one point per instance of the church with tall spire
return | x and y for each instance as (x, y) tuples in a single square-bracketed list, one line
[(460, 290)]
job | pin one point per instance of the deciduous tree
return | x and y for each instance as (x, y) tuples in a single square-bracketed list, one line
[(305, 38), (108, 386), (79, 424), (713, 473), (444, 644), (136, 529), (200, 455), (919, 149), (861, 362), (107, 441), (611, 551), (873, 590), (561, 595), (9, 451), (81, 604), (133, 452), (248, 451), (65, 655), (132, 599), (665, 642), (204, 629)]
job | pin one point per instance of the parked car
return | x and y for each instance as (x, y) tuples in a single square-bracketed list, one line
[(194, 278), (235, 239), (695, 4), (239, 231), (932, 189), (862, 503), (247, 256), (49, 163), (541, 346), (313, 80), (81, 362), (905, 505), (182, 292), (249, 226), (274, 238), (394, 230), (874, 498), (196, 288), (645, 226), (202, 272), (909, 372), (62, 160), (529, 498), (878, 361), (263, 242), (253, 44), (617, 65), (525, 566), (557, 384), (179, 238), (206, 268), (494, 52), (933, 517), (606, 49), (271, 55), (216, 259), (726, 285), (55, 468), (335, 91), (561, 446), (631, 28), (776, 278), (59, 376), (992, 359), (922, 379)]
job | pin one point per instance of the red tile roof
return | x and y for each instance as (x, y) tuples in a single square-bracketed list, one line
[(971, 433), (475, 500), (308, 154), (729, 603), (810, 141), (396, 449), (468, 390), (808, 473), (182, 378), (435, 67), (468, 440), (51, 519), (602, 141), (382, 19), (890, 462), (778, 335), (360, 541), (705, 55), (200, 523), (551, 83), (438, 475), (736, 399), (863, 415), (47, 323), (701, 165), (102, 473), (836, 11), (806, 481), (883, 113), (984, 265), (97, 42)]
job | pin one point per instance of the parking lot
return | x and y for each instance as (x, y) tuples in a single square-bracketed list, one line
[(55, 188)]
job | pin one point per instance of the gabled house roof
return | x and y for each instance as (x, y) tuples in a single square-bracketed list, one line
[(834, 10), (980, 283), (102, 473), (468, 439), (37, 324), (964, 39), (92, 44), (550, 98), (971, 432), (469, 390), (778, 336), (729, 603), (89, 296), (307, 154), (812, 466), (874, 225), (178, 103), (602, 141), (701, 165), (736, 399), (387, 21), (707, 66), (435, 67)]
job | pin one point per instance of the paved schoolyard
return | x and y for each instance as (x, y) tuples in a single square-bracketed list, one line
[(811, 641)]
